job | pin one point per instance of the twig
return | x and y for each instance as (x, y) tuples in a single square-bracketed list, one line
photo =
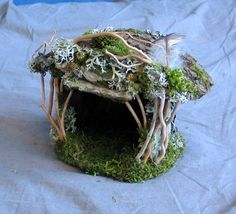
[(173, 114), (63, 113), (149, 136), (61, 85), (43, 105), (142, 111), (57, 101), (51, 96), (53, 123), (134, 114), (149, 149), (136, 39), (120, 63), (164, 129), (140, 58), (43, 89), (166, 109), (161, 154)]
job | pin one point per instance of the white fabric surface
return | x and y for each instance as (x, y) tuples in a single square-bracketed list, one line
[(32, 180)]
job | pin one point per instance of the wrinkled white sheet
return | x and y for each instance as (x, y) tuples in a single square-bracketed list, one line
[(32, 180)]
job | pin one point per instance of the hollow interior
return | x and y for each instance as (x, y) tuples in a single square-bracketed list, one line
[(104, 117)]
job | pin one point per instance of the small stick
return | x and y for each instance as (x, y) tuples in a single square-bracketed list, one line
[(164, 129), (63, 113), (136, 39), (120, 63), (149, 149), (56, 101), (61, 85), (140, 58), (166, 109), (161, 155), (142, 111), (133, 56), (53, 123), (149, 136), (173, 114), (51, 96), (51, 120), (158, 125), (43, 89), (134, 114)]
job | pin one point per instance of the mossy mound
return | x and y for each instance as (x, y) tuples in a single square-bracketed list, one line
[(114, 157)]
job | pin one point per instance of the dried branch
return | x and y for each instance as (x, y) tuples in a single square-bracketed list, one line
[(142, 111), (161, 154), (57, 101), (149, 136), (120, 63), (61, 85), (164, 130), (51, 96), (63, 113), (173, 114), (43, 105), (134, 114), (136, 39), (149, 149)]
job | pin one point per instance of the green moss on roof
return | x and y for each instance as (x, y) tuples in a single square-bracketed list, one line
[(111, 44)]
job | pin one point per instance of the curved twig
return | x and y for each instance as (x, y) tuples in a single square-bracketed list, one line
[(63, 113), (149, 149), (43, 100), (57, 101), (140, 58), (43, 105), (120, 63), (161, 154), (142, 110), (136, 39), (133, 114), (61, 85), (164, 129), (149, 136), (173, 114), (50, 105)]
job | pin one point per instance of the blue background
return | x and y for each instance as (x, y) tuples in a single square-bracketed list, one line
[(21, 2)]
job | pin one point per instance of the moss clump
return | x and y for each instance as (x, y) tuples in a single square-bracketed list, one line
[(178, 82), (55, 72), (111, 44), (90, 31), (99, 155), (142, 83), (202, 75), (131, 30)]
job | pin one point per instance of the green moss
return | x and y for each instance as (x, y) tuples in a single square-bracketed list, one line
[(143, 84), (178, 82), (55, 72), (88, 32), (111, 44), (99, 155), (131, 30), (202, 75)]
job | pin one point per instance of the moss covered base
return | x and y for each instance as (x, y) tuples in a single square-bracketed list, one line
[(112, 157)]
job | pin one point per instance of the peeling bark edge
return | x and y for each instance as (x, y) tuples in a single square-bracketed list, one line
[(88, 87)]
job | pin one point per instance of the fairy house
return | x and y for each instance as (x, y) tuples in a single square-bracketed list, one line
[(115, 95)]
